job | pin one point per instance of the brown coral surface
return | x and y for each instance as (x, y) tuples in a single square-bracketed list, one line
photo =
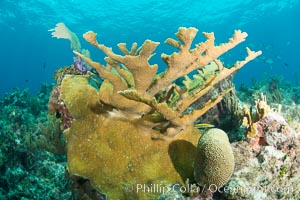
[(118, 156)]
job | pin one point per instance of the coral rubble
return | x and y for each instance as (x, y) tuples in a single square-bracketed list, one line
[(136, 130), (269, 169), (266, 162)]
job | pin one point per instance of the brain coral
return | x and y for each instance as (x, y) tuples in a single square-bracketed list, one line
[(214, 161)]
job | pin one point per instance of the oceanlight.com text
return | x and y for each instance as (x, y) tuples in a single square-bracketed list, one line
[(162, 189)]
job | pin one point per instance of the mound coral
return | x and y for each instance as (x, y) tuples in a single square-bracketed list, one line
[(134, 135), (214, 161)]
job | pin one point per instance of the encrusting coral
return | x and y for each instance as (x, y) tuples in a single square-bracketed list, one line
[(134, 130)]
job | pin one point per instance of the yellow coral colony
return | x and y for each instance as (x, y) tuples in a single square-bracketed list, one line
[(249, 119), (133, 132)]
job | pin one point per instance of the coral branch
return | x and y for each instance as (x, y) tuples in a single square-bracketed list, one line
[(114, 79), (195, 114), (162, 108), (214, 79), (132, 52), (130, 80), (137, 64), (186, 60)]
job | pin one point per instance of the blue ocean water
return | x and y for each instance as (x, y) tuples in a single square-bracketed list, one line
[(29, 56)]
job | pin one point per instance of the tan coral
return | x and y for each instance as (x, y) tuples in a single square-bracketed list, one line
[(187, 60), (262, 108), (136, 63), (179, 64), (136, 129), (250, 119)]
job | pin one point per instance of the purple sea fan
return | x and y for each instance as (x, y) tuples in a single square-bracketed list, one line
[(79, 65)]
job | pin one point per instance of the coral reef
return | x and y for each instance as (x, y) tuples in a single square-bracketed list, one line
[(269, 170), (27, 172), (266, 163), (49, 136), (276, 90), (136, 129), (289, 94)]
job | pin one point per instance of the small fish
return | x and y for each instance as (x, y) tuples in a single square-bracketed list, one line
[(203, 126), (269, 61)]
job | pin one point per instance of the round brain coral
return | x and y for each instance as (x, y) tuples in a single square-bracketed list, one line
[(214, 161)]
